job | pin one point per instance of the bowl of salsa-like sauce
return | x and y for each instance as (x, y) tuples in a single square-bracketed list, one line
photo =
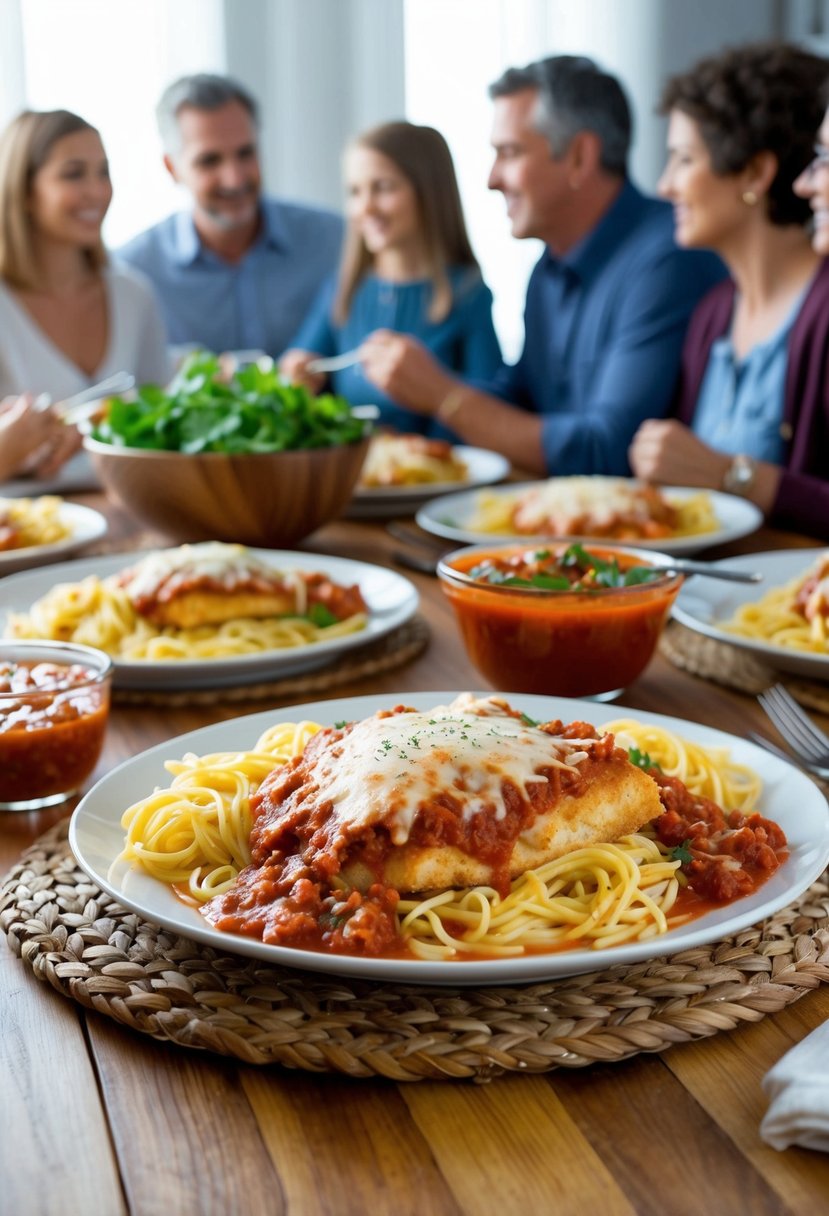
[(54, 707), (561, 618)]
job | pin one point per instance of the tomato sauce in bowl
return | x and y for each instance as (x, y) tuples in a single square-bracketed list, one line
[(565, 620), (54, 707)]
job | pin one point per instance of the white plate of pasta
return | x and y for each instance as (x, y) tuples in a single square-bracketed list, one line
[(75, 600), (481, 468), (34, 531), (704, 517), (761, 618), (97, 834)]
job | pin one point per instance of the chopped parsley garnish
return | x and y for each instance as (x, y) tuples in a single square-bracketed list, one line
[(321, 616), (642, 759), (573, 570), (528, 721), (341, 725), (682, 853)]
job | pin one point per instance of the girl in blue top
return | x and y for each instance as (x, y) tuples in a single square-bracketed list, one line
[(407, 265)]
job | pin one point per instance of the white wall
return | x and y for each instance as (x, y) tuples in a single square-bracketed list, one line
[(324, 70)]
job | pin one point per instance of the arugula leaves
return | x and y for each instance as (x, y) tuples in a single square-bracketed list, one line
[(252, 412)]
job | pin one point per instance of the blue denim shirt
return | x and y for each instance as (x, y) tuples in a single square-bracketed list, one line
[(256, 303), (604, 327), (740, 403)]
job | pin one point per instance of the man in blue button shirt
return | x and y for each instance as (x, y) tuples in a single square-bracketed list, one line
[(239, 271), (607, 304)]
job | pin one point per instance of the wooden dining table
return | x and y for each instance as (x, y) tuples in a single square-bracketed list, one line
[(100, 1120)]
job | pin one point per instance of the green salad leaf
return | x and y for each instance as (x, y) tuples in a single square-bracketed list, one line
[(253, 411)]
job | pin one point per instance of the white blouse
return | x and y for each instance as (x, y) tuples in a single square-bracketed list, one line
[(30, 361)]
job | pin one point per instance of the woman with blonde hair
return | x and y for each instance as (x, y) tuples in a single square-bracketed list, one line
[(407, 266), (67, 317), (752, 413)]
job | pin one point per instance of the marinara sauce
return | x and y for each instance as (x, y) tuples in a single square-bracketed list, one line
[(52, 722), (576, 638)]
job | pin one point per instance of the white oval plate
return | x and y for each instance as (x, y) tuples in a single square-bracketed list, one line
[(84, 524), (377, 502), (97, 839), (391, 600), (705, 604), (447, 517)]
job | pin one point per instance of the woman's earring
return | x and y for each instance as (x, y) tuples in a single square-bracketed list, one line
[(749, 198)]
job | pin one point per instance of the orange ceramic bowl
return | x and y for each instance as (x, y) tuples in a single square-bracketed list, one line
[(572, 643), (54, 707)]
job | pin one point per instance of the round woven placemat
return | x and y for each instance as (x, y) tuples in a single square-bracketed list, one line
[(83, 943), (735, 668), (396, 648)]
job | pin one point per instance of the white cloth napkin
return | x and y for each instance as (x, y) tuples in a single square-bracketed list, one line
[(798, 1086)]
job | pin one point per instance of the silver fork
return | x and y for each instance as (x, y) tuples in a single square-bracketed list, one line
[(809, 745)]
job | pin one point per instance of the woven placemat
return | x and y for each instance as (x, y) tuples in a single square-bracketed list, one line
[(735, 668), (393, 650), (86, 946)]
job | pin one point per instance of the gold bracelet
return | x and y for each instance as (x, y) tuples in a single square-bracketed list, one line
[(451, 403)]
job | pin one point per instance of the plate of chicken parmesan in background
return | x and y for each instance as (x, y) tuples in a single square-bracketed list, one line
[(784, 622), (674, 519), (34, 531), (402, 472), (209, 615), (361, 764)]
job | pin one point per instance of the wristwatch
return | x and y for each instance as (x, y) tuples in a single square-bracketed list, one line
[(740, 475)]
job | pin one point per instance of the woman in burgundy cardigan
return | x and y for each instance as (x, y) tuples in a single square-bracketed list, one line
[(752, 412)]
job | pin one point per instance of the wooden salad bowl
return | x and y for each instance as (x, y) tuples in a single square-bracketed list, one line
[(271, 499)]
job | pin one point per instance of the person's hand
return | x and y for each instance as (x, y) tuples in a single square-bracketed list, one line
[(404, 370), (293, 366), (667, 451), (32, 440)]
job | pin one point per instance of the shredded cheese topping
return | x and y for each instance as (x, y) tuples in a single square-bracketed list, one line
[(226, 566), (468, 748)]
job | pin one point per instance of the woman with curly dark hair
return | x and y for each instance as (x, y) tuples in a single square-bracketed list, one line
[(752, 415)]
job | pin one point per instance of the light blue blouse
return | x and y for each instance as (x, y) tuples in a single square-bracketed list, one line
[(740, 404), (464, 341)]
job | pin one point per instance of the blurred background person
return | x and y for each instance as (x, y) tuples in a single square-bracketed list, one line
[(607, 304), (238, 271), (407, 266), (753, 404), (67, 317)]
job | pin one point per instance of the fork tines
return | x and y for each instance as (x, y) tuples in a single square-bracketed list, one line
[(794, 724)]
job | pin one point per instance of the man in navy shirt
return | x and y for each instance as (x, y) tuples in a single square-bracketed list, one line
[(607, 304), (239, 271)]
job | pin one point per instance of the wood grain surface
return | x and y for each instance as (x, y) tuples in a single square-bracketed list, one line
[(100, 1121)]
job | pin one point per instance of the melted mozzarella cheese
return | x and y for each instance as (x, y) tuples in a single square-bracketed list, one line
[(561, 500), (386, 767), (221, 565)]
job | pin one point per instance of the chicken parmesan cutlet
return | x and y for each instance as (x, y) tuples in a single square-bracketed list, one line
[(405, 801), (207, 584)]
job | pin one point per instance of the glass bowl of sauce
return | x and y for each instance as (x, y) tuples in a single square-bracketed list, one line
[(54, 706), (562, 618)]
